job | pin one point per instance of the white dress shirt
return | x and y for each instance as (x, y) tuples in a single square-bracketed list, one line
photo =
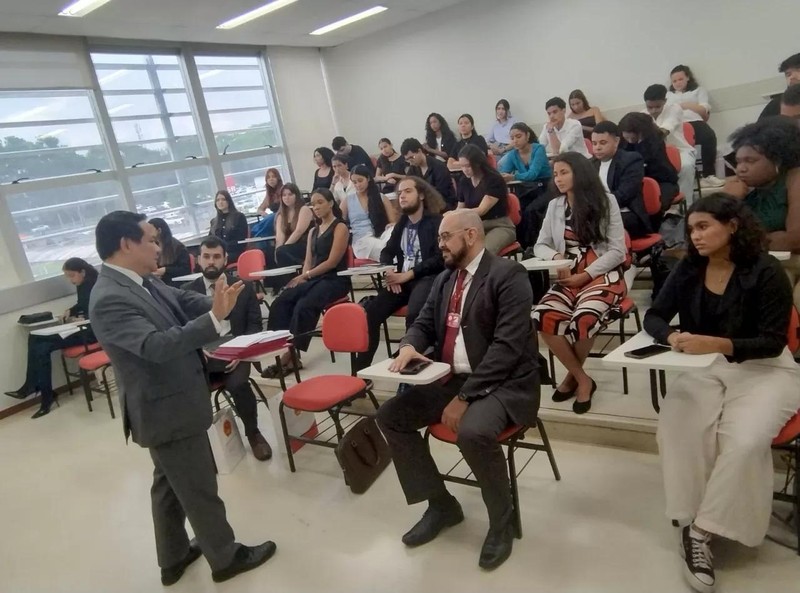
[(698, 95), (570, 135), (460, 359), (671, 119), (604, 167), (340, 190)]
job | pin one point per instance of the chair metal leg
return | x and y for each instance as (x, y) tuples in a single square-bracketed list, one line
[(258, 391), (796, 460), (512, 476), (66, 373), (552, 360), (107, 390), (624, 369), (373, 399), (285, 429), (386, 337), (87, 389), (550, 455)]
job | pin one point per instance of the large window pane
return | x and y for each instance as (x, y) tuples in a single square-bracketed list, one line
[(57, 224), (48, 134), (245, 179)]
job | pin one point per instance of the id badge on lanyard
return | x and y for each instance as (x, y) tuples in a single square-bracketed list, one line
[(453, 320)]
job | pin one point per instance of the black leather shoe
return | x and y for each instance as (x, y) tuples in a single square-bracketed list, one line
[(497, 547), (171, 575), (21, 393), (432, 523), (41, 412), (246, 558), (583, 407)]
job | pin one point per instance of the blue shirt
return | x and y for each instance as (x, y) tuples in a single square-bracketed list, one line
[(500, 131), (537, 169)]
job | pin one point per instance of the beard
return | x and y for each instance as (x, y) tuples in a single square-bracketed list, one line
[(411, 209), (212, 272), (454, 258)]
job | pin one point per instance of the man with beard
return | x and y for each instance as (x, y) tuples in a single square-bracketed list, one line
[(477, 319), (413, 246), (245, 318)]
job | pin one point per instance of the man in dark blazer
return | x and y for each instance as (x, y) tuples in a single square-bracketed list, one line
[(414, 247), (621, 173), (245, 318), (477, 318), (430, 169), (153, 334)]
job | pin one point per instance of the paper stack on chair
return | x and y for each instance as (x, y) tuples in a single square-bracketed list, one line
[(252, 345)]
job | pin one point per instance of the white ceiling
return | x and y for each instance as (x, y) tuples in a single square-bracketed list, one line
[(196, 20)]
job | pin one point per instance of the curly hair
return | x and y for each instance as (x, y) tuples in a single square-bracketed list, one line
[(590, 211), (747, 242), (777, 138), (444, 130)]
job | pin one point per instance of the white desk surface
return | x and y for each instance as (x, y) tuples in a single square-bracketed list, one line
[(781, 255), (256, 240), (534, 264), (668, 361), (380, 372), (513, 182), (367, 270), (65, 328), (276, 272), (187, 277)]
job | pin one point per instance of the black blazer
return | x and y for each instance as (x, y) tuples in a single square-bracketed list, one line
[(625, 176), (432, 262), (245, 318), (231, 238), (758, 302), (438, 175), (498, 333), (81, 308)]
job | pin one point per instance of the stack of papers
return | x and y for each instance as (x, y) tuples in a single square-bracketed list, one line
[(252, 345)]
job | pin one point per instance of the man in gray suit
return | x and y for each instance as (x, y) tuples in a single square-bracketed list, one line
[(478, 319), (153, 335)]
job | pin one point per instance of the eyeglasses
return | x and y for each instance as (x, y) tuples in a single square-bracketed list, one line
[(446, 236)]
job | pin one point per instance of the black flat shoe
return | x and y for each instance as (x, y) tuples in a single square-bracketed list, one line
[(41, 412), (496, 547), (583, 407), (562, 396), (246, 558)]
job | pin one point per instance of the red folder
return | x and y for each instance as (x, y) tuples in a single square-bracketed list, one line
[(257, 349)]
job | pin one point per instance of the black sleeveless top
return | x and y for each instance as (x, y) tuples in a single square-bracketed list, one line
[(590, 122), (322, 182), (321, 246)]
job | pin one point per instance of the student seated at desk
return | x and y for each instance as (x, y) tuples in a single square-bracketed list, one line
[(369, 214), (414, 247), (583, 225), (561, 134), (581, 111), (466, 127), (299, 306), (483, 190), (342, 185), (428, 168), (354, 154), (265, 227), (790, 68), (323, 176), (391, 166), (173, 261), (39, 373), (439, 138), (291, 228), (717, 424), (790, 103), (229, 225), (499, 140)]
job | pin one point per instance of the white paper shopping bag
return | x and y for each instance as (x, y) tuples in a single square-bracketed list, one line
[(298, 423), (226, 442)]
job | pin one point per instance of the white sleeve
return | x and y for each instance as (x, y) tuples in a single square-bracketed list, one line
[(673, 119), (702, 98), (544, 140), (573, 139)]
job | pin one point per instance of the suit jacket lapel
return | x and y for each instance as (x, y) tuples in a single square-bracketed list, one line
[(477, 283)]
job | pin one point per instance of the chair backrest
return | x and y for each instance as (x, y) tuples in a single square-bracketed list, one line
[(344, 328), (374, 159), (793, 337), (192, 262), (651, 195), (674, 156), (513, 209), (351, 257), (251, 261), (492, 159), (589, 146), (688, 133)]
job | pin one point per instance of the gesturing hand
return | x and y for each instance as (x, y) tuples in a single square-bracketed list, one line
[(225, 297)]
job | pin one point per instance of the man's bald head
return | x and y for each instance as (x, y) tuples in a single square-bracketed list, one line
[(461, 237), (463, 218)]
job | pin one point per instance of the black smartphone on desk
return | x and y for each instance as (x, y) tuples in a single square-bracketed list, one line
[(648, 351), (415, 367)]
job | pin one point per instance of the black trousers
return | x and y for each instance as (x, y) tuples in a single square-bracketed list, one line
[(704, 136), (404, 415), (534, 207), (39, 372), (298, 309), (634, 225), (237, 384), (380, 308), (290, 255)]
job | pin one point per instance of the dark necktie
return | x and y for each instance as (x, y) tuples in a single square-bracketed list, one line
[(172, 312), (453, 321)]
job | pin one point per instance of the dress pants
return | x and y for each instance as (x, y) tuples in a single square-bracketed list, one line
[(634, 225), (380, 308), (404, 415), (290, 255), (185, 487), (39, 374), (714, 435), (500, 233), (237, 384), (706, 139), (298, 309)]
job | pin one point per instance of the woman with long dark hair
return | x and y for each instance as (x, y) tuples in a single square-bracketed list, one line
[(39, 372), (587, 115), (229, 225), (391, 166), (482, 189), (716, 425), (369, 214), (323, 176), (272, 199), (174, 259), (439, 138), (292, 224), (466, 129), (584, 225)]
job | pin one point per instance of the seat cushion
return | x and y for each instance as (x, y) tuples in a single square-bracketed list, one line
[(789, 432), (321, 393), (79, 350), (401, 312), (443, 433), (510, 249), (645, 243), (94, 361)]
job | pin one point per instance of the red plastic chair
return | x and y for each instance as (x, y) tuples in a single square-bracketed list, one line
[(72, 353), (589, 146), (674, 156), (651, 196), (344, 329), (514, 212), (512, 438), (492, 159), (91, 363), (688, 133)]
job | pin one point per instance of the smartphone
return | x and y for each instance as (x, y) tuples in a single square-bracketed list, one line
[(648, 351), (414, 367)]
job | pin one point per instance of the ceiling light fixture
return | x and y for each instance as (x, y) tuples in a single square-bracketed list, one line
[(349, 20), (255, 13), (82, 7)]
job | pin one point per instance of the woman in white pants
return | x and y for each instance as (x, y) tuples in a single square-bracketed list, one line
[(716, 425)]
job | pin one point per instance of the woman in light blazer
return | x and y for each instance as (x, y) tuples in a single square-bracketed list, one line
[(584, 225)]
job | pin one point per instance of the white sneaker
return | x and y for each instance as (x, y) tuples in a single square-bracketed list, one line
[(697, 568), (711, 181)]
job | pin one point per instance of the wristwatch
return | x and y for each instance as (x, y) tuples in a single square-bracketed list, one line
[(463, 397)]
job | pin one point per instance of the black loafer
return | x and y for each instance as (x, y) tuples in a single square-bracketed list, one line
[(432, 523), (171, 575), (496, 547), (246, 558), (583, 407)]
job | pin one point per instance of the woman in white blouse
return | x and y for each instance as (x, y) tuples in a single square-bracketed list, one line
[(693, 99)]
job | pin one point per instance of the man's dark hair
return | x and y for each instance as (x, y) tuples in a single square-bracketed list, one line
[(214, 243), (113, 228), (790, 62), (410, 145), (555, 102), (655, 92), (791, 96), (338, 143), (606, 127)]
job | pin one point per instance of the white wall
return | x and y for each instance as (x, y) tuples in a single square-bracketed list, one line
[(465, 58), (304, 106)]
